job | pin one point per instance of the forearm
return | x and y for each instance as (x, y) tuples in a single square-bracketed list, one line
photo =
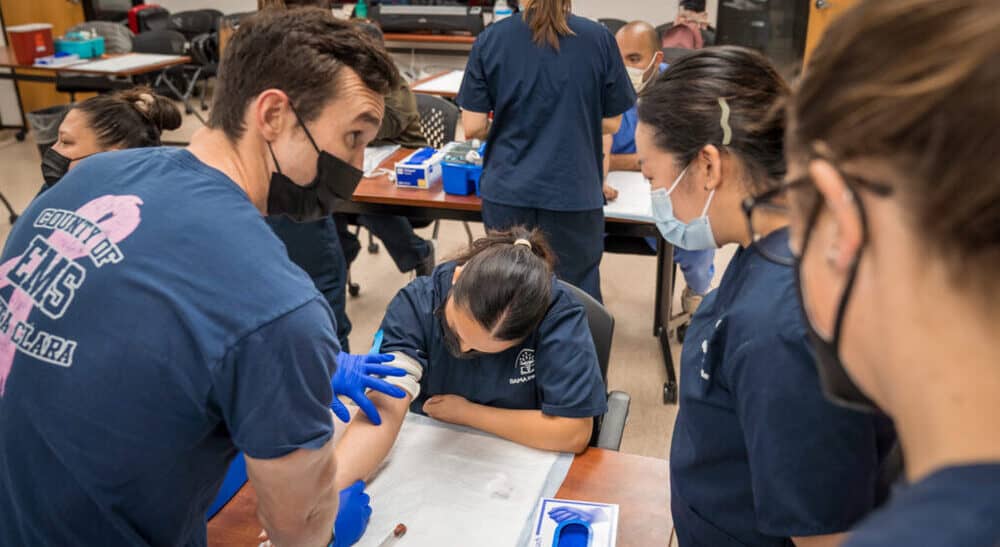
[(607, 142), (364, 445), (610, 126), (624, 162), (532, 428), (477, 132), (475, 125)]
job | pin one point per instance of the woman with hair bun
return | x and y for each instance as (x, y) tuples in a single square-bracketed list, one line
[(132, 118)]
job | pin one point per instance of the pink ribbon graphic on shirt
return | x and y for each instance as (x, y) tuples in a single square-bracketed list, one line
[(116, 216)]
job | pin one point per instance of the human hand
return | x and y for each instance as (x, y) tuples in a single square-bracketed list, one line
[(610, 192), (353, 515), (357, 373), (448, 408)]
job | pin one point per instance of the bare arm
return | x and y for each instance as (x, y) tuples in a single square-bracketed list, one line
[(296, 496), (528, 427), (609, 126), (364, 445), (829, 540), (624, 162), (475, 124)]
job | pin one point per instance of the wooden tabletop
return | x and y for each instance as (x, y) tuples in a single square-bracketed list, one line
[(639, 485), (429, 38), (7, 60)]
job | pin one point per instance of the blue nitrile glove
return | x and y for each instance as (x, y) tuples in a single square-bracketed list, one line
[(353, 515), (591, 516), (355, 374)]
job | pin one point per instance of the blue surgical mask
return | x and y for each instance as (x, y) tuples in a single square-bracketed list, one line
[(694, 236)]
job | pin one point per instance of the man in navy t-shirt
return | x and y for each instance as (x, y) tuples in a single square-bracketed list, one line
[(151, 324)]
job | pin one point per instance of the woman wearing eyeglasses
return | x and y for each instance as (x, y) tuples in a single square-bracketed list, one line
[(759, 457), (895, 207)]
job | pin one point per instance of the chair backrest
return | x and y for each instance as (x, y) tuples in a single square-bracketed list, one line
[(438, 119), (601, 323), (154, 18), (192, 23), (205, 49), (167, 42), (117, 37), (614, 25)]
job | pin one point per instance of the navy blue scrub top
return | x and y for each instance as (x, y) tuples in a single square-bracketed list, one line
[(554, 370), (151, 325), (758, 454), (545, 146), (954, 506)]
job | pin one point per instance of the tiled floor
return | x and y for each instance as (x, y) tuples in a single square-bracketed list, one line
[(627, 282)]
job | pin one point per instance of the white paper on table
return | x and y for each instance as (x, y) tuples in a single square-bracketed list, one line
[(633, 201), (436, 482), (375, 155), (445, 83), (126, 62)]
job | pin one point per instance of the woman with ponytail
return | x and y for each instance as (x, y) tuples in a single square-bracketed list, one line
[(490, 340), (556, 86)]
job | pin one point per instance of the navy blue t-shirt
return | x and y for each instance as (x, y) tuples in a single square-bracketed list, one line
[(758, 454), (953, 507), (545, 146), (554, 370), (151, 325)]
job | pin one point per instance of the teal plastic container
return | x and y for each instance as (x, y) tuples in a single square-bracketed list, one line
[(86, 49)]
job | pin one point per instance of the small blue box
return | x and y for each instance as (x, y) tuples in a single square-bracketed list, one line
[(421, 169), (86, 49), (461, 179)]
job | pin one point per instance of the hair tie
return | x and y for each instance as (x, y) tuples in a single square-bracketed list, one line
[(727, 132), (144, 102), (522, 241)]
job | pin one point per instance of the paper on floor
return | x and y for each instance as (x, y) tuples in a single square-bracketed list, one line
[(454, 486)]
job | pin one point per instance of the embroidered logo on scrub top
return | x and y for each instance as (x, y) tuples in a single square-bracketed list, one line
[(48, 273), (525, 364)]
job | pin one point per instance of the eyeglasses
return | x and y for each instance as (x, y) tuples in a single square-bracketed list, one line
[(780, 207)]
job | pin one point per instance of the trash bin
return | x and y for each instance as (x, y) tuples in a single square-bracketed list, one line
[(45, 125)]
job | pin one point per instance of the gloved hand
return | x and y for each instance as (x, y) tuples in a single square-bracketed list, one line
[(355, 374), (353, 515)]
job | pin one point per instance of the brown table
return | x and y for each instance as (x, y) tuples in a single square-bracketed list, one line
[(448, 94), (439, 44), (30, 73), (639, 485), (379, 195)]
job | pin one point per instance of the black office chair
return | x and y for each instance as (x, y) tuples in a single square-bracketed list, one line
[(205, 53), (168, 81), (438, 123), (117, 40), (608, 429), (614, 25), (196, 22)]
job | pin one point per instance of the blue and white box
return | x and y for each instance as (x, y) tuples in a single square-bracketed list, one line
[(592, 524), (421, 169)]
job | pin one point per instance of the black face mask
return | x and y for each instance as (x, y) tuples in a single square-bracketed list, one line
[(335, 179), (55, 165), (837, 384)]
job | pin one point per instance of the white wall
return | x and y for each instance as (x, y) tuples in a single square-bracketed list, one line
[(225, 6)]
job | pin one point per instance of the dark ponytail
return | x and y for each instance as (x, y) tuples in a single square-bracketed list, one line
[(683, 108), (506, 284), (132, 118), (547, 20)]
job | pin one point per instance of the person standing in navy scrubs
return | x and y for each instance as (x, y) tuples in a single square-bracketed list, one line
[(894, 198), (555, 84), (491, 340), (759, 457)]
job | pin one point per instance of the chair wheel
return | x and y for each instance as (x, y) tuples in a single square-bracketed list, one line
[(188, 110), (20, 135), (204, 108), (681, 333), (670, 393), (372, 248), (353, 289)]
